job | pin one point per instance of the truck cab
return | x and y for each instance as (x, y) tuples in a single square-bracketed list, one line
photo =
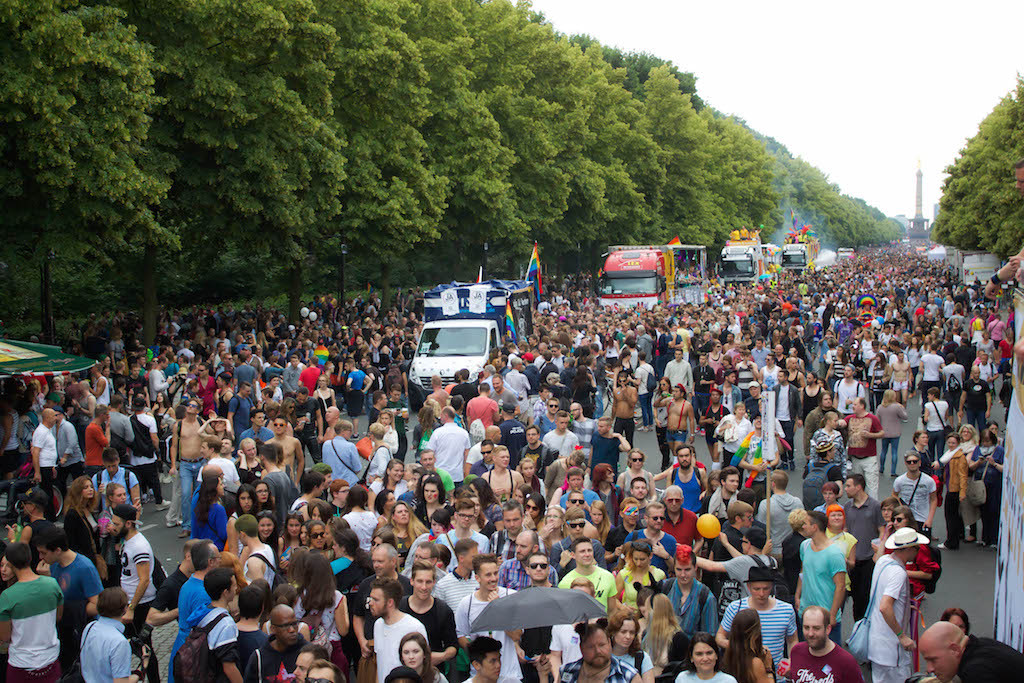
[(740, 263), (794, 256), (447, 346)]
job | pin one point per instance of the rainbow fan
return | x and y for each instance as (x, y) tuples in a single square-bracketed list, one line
[(321, 354)]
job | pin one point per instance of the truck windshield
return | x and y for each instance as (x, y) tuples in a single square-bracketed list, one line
[(793, 259), (453, 341), (629, 285), (742, 267)]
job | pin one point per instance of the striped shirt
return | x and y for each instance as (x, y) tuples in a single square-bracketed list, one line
[(452, 589), (31, 607), (777, 623)]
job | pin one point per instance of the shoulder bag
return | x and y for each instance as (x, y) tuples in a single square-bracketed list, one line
[(859, 642), (976, 493)]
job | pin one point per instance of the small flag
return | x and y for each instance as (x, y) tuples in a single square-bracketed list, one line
[(533, 273), (674, 241), (480, 276), (510, 325)]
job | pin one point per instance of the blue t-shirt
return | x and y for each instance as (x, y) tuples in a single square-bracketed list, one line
[(668, 541), (193, 605), (358, 378), (606, 449), (241, 408), (79, 580)]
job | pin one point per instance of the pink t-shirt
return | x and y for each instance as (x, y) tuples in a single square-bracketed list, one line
[(481, 408), (996, 329)]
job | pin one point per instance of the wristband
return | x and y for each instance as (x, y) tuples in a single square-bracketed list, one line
[(995, 278), (900, 634)]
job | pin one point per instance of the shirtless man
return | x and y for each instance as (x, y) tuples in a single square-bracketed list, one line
[(681, 424), (330, 421), (901, 376), (291, 449), (185, 453), (438, 393), (624, 407)]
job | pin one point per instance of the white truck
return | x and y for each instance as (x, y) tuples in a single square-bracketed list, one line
[(742, 262), (977, 265), (464, 323)]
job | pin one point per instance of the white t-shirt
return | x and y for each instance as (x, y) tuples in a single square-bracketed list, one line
[(401, 489), (889, 579), (386, 640), (846, 393), (226, 467), (930, 364), (450, 443), (43, 439), (137, 550), (326, 617), (269, 567), (921, 489), (468, 610), (565, 444), (363, 523), (564, 639), (933, 410), (146, 420)]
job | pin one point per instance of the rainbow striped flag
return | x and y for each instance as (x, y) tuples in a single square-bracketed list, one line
[(533, 273), (674, 241), (510, 325), (741, 452)]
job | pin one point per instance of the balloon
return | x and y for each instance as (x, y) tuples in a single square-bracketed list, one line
[(312, 317), (304, 312), (708, 526)]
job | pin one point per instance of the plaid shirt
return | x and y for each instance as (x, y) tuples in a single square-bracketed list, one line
[(620, 672), (512, 574), (584, 431)]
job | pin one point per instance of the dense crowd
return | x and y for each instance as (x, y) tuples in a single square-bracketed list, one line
[(339, 521)]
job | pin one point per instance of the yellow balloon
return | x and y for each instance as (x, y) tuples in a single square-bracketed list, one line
[(708, 526)]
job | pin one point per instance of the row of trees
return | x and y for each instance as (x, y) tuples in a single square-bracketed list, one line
[(207, 150), (980, 208)]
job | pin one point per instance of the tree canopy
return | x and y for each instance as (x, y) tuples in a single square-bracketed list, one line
[(980, 208), (218, 150)]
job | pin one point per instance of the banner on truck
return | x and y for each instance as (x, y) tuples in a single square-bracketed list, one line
[(1009, 590)]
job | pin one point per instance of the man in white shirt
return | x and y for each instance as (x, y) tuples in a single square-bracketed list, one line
[(678, 371), (157, 378), (391, 626), (917, 491), (44, 455), (889, 644), (517, 382), (486, 568), (931, 372), (846, 390), (144, 461), (450, 444), (560, 438)]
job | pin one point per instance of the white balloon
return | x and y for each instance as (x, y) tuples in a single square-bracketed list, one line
[(312, 317), (304, 312), (291, 328)]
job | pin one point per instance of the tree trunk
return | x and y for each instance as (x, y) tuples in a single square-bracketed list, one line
[(149, 295), (294, 290), (46, 303), (385, 286)]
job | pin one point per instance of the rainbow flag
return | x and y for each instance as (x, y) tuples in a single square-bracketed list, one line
[(510, 325), (741, 452), (674, 241), (533, 273)]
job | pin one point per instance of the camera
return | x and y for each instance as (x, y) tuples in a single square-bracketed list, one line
[(143, 638)]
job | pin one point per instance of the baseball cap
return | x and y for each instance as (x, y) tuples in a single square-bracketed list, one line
[(508, 407), (34, 495), (125, 511)]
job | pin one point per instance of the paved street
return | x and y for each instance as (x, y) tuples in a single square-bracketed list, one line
[(967, 579)]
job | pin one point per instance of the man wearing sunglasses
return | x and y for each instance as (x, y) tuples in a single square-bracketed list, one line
[(519, 572), (561, 553), (917, 491), (663, 545)]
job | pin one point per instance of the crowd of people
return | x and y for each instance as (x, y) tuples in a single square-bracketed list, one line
[(340, 522)]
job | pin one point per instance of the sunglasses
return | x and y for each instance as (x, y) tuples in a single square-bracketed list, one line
[(656, 518), (531, 506), (483, 452), (913, 461), (576, 525), (577, 501), (539, 565), (318, 534), (552, 405), (636, 459), (898, 519)]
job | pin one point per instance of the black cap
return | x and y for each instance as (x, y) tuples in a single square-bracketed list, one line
[(34, 495), (403, 673), (139, 403), (756, 536), (125, 512), (508, 407)]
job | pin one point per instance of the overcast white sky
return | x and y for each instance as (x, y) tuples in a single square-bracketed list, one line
[(861, 90)]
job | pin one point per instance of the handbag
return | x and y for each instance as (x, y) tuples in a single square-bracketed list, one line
[(976, 493), (859, 642)]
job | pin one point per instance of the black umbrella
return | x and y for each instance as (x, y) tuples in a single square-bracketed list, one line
[(534, 607)]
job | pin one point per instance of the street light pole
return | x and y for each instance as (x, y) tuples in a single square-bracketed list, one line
[(483, 266)]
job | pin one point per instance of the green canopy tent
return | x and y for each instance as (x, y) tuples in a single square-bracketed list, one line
[(18, 359)]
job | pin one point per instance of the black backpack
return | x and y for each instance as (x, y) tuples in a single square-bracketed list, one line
[(142, 443), (815, 476), (780, 587), (930, 584), (953, 383), (193, 662)]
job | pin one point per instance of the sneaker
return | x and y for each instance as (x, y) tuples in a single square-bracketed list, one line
[(982, 544), (171, 525), (184, 533), (942, 546), (162, 506)]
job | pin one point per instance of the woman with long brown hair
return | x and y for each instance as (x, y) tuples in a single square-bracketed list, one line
[(414, 652), (746, 658), (80, 520), (322, 607), (406, 528)]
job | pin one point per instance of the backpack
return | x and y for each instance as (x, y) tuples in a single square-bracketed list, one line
[(278, 578), (781, 588), (193, 662), (732, 590), (930, 584), (953, 383), (142, 443), (815, 476), (652, 384), (118, 443), (158, 575)]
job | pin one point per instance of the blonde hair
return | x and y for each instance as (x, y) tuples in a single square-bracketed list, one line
[(605, 526), (662, 625), (888, 397)]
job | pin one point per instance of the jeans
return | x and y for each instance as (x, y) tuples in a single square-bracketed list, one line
[(954, 522), (701, 401), (976, 418), (599, 404), (889, 444), (936, 444), (646, 410), (789, 434), (188, 473), (65, 472)]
